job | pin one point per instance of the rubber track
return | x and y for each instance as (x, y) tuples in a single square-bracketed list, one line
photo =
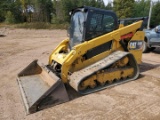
[(77, 77)]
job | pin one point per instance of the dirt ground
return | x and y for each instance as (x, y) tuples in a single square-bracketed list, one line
[(136, 100)]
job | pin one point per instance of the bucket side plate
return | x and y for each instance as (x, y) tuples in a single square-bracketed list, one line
[(40, 89)]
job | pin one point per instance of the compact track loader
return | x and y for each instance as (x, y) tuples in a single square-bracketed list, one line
[(98, 54)]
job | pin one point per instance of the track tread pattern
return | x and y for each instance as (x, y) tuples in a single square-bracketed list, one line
[(80, 75)]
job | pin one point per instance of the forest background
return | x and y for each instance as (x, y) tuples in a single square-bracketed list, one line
[(55, 13)]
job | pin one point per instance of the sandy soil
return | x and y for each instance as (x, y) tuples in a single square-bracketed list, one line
[(137, 100)]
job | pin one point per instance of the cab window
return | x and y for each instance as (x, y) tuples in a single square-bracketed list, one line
[(99, 25)]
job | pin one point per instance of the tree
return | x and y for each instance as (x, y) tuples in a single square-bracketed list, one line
[(109, 6), (63, 7), (12, 8), (141, 8), (15, 8), (2, 10), (10, 17), (124, 8), (155, 18), (42, 10)]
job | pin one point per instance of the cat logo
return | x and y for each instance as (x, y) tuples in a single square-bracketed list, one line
[(135, 45)]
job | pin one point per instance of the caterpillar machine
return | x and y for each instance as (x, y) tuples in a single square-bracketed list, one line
[(98, 54)]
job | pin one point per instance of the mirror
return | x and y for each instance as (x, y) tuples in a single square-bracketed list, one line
[(157, 29)]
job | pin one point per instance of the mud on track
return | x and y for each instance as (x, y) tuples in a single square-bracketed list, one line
[(137, 100)]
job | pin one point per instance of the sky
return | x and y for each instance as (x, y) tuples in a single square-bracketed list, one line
[(106, 1)]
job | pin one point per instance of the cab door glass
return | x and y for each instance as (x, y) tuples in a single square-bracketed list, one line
[(99, 25), (76, 32), (108, 23)]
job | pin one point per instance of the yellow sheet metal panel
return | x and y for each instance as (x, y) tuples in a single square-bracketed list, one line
[(75, 55), (136, 44)]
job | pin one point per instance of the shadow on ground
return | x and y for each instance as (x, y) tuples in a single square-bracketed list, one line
[(156, 51), (2, 35), (147, 66)]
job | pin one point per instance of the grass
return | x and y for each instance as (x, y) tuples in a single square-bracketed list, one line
[(3, 25), (36, 25), (41, 25)]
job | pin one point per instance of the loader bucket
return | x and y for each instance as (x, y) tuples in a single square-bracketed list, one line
[(40, 88)]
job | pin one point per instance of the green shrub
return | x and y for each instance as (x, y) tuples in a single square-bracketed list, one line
[(9, 17)]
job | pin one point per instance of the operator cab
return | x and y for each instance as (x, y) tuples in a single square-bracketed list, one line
[(89, 22)]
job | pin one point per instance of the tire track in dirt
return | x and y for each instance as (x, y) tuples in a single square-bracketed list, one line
[(10, 102), (136, 100)]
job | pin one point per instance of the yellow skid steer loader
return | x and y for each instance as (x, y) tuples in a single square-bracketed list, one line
[(98, 54)]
